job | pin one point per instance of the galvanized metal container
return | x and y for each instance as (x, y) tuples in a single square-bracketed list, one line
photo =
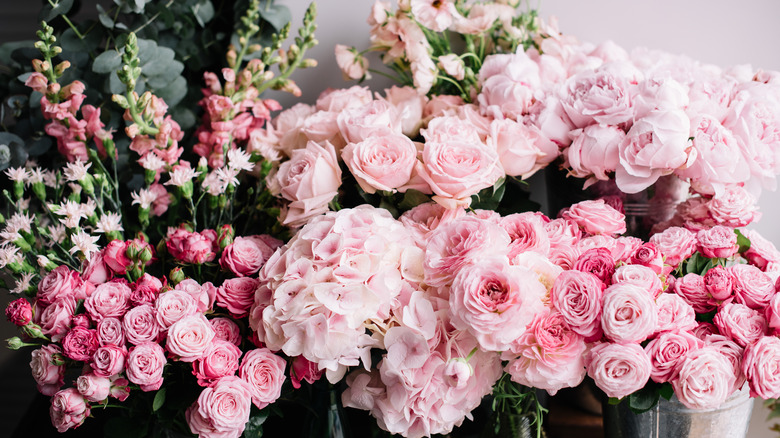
[(671, 419)]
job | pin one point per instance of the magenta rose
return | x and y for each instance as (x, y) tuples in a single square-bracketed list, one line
[(189, 337), (752, 287), (140, 325), (578, 296), (220, 359), (59, 283), (599, 262), (740, 323), (109, 331), (19, 312), (48, 370), (648, 255), (80, 343), (381, 162), (303, 369), (246, 255), (110, 299), (596, 217), (629, 313), (172, 306), (760, 367), (675, 243), (717, 242), (618, 369), (192, 247), (667, 351), (693, 290), (264, 372), (704, 379), (674, 314), (68, 410), (719, 283), (237, 295), (227, 330), (108, 360), (221, 410), (144, 366), (115, 256), (94, 388)]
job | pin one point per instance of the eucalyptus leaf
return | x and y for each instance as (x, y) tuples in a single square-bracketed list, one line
[(115, 86), (55, 9), (276, 15), (203, 11), (175, 92), (107, 62), (7, 50), (23, 77), (38, 146), (104, 18)]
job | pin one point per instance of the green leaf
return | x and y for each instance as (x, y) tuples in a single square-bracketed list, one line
[(413, 198), (613, 401), (276, 15), (644, 399), (159, 400), (203, 12), (104, 18), (666, 391), (60, 7), (107, 62), (173, 70), (123, 427), (742, 241), (489, 198), (254, 427), (175, 92)]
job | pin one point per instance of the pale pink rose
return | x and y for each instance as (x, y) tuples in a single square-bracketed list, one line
[(309, 180), (68, 410), (667, 351), (352, 64), (704, 379), (705, 329), (735, 207), (522, 149), (594, 151), (144, 366), (441, 104), (549, 355), (423, 219), (48, 376), (717, 242), (192, 247), (189, 337), (140, 325), (109, 331), (445, 129), (456, 244), (108, 360), (752, 287), (629, 313), (302, 369), (598, 96), (508, 83), (220, 359), (221, 410), (762, 252), (264, 372), (618, 369), (772, 314), (340, 99), (203, 294), (563, 232), (237, 295), (457, 170), (675, 243), (641, 276), (96, 270), (495, 302), (93, 387), (578, 296), (693, 290), (482, 16), (80, 343), (246, 255), (115, 256), (377, 117), (110, 299), (760, 367), (656, 145), (172, 306), (434, 14), (674, 314), (719, 283), (286, 134), (381, 162), (527, 233), (596, 217), (227, 330), (599, 262), (740, 323), (61, 282), (409, 104), (321, 127), (734, 353), (452, 65)]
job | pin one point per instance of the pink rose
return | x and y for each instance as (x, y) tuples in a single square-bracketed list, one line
[(220, 359), (340, 99), (140, 325), (144, 366), (719, 283), (618, 369), (108, 360), (192, 247), (302, 369), (594, 151), (735, 207), (705, 329), (109, 331), (578, 296), (656, 145), (246, 255), (641, 276), (227, 330), (19, 312), (752, 287), (172, 306), (440, 105), (693, 290), (734, 353), (596, 217), (717, 242), (458, 169), (115, 256), (376, 118), (189, 337), (423, 219), (599, 262), (237, 295), (629, 313), (527, 233), (675, 243), (409, 104), (55, 319), (203, 294), (760, 367), (80, 343), (110, 299), (264, 372), (48, 370), (563, 232), (309, 181), (59, 283), (704, 379), (508, 82), (740, 323), (667, 351), (221, 410), (772, 314), (381, 162), (495, 302), (648, 255), (96, 270), (674, 314), (145, 290), (68, 410), (762, 252), (94, 388)]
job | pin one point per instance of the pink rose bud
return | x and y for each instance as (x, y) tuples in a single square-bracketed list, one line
[(719, 283), (225, 237), (19, 312), (648, 255)]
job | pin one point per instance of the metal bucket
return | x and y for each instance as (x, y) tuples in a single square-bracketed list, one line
[(671, 419)]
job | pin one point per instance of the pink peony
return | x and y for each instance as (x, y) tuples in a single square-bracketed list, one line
[(508, 82), (704, 379), (144, 366), (578, 296), (618, 369), (264, 372), (594, 152)]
